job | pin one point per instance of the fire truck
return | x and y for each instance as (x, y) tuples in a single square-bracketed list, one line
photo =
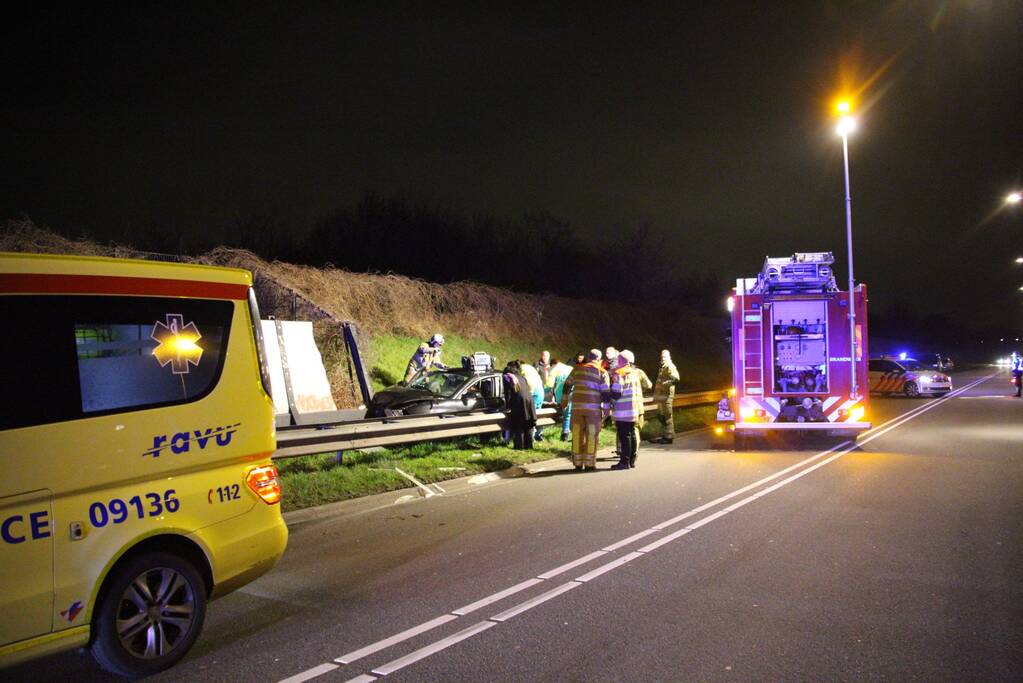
[(792, 361)]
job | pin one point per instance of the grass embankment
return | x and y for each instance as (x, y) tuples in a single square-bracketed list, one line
[(320, 479)]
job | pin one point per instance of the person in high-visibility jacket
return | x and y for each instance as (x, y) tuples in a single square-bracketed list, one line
[(535, 383), (556, 377), (627, 394), (426, 357), (586, 386), (664, 396), (1016, 365)]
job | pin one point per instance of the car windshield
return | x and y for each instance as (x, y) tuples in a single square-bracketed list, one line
[(441, 382), (912, 364)]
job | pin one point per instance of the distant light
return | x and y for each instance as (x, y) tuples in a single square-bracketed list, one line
[(902, 356), (846, 125), (730, 301), (1019, 259), (1013, 198), (719, 430)]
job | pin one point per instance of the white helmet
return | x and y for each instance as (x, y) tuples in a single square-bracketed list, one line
[(437, 339)]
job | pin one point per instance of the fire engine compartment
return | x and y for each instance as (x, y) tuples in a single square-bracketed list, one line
[(800, 347)]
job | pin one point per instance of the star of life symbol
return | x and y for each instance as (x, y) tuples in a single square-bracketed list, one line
[(177, 344)]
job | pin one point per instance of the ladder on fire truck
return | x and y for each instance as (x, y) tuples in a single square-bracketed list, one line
[(753, 351)]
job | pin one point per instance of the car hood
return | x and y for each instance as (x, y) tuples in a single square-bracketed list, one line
[(400, 395)]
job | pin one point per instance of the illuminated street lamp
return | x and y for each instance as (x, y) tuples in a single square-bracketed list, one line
[(846, 125), (1013, 198)]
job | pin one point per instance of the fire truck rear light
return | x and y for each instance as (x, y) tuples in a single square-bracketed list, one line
[(843, 413), (761, 413), (263, 482), (745, 412), (857, 413)]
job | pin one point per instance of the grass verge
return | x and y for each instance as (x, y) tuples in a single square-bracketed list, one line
[(319, 479)]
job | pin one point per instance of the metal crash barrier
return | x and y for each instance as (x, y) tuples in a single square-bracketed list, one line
[(393, 431)]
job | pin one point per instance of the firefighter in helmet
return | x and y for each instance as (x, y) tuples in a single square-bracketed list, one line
[(426, 357)]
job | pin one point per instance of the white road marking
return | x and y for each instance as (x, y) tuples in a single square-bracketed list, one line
[(500, 595), (604, 568), (310, 673), (427, 491), (364, 678), (571, 565), (662, 541), (432, 648), (628, 541), (533, 602), (835, 454), (387, 642)]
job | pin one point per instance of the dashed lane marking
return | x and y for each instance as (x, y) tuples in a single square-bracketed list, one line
[(310, 673), (533, 602), (395, 639), (432, 648), (501, 595)]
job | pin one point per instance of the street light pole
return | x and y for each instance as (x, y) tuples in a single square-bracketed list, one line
[(845, 126)]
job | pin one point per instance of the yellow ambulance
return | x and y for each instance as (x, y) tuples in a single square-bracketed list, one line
[(135, 439)]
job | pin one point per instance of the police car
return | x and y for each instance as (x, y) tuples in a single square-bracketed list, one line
[(906, 376), (135, 434)]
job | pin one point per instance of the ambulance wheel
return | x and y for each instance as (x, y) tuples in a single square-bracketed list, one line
[(911, 390), (151, 612)]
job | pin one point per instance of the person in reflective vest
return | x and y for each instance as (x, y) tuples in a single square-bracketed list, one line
[(627, 394), (586, 387), (426, 357), (557, 375), (664, 396), (1016, 365)]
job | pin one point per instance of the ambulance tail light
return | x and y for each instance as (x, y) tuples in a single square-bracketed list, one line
[(263, 482)]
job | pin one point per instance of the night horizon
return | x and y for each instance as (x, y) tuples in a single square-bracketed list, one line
[(713, 128)]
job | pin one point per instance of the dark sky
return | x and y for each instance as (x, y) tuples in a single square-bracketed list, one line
[(711, 119)]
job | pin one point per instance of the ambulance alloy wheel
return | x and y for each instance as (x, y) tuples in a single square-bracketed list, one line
[(150, 615), (911, 390)]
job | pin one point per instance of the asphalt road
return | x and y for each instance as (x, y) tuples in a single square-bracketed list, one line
[(896, 559)]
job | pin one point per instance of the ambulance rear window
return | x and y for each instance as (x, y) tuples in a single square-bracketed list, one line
[(70, 357)]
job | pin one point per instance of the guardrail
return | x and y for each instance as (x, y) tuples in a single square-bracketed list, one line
[(345, 436)]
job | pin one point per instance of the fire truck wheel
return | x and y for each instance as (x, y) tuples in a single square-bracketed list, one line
[(911, 390)]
